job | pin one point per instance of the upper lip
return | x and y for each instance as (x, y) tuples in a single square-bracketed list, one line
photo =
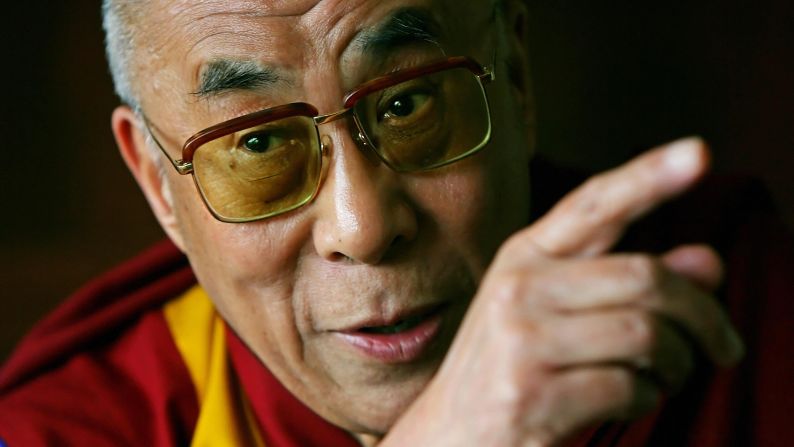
[(393, 318)]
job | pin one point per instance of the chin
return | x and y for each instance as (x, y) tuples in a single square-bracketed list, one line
[(365, 396), (370, 393), (375, 416)]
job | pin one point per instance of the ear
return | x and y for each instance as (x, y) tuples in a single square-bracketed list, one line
[(131, 142), (516, 20)]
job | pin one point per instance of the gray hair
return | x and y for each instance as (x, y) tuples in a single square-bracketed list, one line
[(118, 21), (118, 17)]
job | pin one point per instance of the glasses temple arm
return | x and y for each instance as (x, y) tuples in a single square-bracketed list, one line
[(181, 166)]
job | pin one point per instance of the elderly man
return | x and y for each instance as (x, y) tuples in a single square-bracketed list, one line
[(350, 183)]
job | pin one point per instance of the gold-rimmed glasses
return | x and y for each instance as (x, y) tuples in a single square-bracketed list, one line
[(270, 162)]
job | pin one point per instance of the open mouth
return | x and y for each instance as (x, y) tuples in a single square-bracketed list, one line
[(402, 341)]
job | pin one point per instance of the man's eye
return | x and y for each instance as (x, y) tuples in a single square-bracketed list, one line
[(260, 142), (404, 105)]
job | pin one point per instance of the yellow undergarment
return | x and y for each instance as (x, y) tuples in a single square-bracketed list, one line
[(225, 417)]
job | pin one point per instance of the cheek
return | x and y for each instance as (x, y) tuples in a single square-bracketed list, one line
[(239, 263), (251, 247), (456, 200), (473, 205), (249, 270)]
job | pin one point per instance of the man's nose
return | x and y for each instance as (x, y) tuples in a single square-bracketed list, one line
[(363, 212)]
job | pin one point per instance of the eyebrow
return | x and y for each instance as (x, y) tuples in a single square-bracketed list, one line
[(223, 75), (406, 26)]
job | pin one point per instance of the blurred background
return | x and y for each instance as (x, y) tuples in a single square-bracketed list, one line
[(611, 79)]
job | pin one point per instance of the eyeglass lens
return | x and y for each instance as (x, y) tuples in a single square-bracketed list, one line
[(426, 122), (275, 167), (260, 171)]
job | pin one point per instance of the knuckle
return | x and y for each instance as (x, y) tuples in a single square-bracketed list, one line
[(640, 327), (515, 243), (646, 272), (519, 246), (508, 290), (519, 289), (589, 204)]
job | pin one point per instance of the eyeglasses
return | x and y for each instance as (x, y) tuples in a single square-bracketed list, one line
[(270, 162)]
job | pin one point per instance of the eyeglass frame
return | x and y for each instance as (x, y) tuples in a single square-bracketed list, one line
[(184, 165)]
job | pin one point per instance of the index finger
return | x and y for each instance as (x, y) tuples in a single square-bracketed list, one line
[(590, 220)]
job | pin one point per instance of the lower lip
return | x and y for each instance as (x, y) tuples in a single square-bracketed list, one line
[(401, 347)]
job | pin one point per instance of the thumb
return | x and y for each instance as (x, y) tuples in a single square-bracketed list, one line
[(698, 263)]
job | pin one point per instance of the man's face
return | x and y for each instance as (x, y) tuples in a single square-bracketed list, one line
[(317, 293)]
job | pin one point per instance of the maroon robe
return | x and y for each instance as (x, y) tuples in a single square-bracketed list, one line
[(102, 369)]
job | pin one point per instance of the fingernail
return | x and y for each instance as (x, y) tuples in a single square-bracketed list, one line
[(683, 155)]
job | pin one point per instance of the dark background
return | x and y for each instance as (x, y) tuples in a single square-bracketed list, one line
[(611, 79)]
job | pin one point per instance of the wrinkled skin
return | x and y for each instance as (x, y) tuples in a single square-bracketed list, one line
[(375, 242), (372, 241)]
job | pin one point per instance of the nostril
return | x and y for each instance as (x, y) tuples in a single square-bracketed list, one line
[(338, 256)]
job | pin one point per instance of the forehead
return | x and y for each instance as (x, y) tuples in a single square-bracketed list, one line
[(245, 28), (313, 17), (280, 52), (288, 32)]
